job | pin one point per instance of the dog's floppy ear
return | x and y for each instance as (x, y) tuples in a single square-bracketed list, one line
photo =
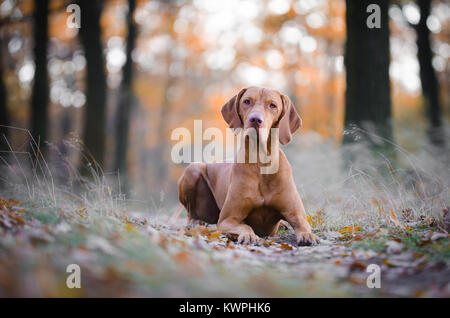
[(289, 122), (230, 111)]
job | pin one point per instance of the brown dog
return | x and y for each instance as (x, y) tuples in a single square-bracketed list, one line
[(237, 196)]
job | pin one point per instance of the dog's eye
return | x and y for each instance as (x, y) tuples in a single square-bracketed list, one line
[(273, 106), (247, 102)]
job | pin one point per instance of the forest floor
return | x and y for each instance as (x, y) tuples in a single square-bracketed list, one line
[(364, 214), (122, 254)]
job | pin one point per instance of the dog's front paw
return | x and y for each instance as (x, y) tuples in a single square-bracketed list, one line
[(307, 239), (248, 238)]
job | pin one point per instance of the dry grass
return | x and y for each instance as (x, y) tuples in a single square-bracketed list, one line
[(356, 211)]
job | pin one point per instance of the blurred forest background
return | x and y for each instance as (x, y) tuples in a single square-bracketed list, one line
[(137, 69)]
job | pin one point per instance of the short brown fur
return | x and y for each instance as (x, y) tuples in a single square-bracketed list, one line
[(243, 202)]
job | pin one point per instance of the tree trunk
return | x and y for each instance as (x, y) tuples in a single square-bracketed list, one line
[(162, 170), (4, 116), (39, 99), (125, 103), (95, 113), (368, 94), (428, 78)]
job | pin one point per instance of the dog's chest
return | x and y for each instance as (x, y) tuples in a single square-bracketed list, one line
[(266, 195)]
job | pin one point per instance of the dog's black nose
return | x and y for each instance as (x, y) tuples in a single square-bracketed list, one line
[(256, 120)]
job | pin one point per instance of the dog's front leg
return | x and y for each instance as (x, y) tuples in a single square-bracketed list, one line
[(295, 215), (232, 215), (243, 232)]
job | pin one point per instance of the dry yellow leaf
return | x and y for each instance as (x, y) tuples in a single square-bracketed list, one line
[(386, 262), (349, 229), (214, 235), (285, 246), (3, 202), (202, 230), (14, 202), (316, 219), (393, 218)]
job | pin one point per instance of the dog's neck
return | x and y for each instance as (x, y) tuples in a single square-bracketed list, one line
[(265, 157)]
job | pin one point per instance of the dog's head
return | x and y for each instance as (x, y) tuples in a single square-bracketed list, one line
[(262, 108)]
